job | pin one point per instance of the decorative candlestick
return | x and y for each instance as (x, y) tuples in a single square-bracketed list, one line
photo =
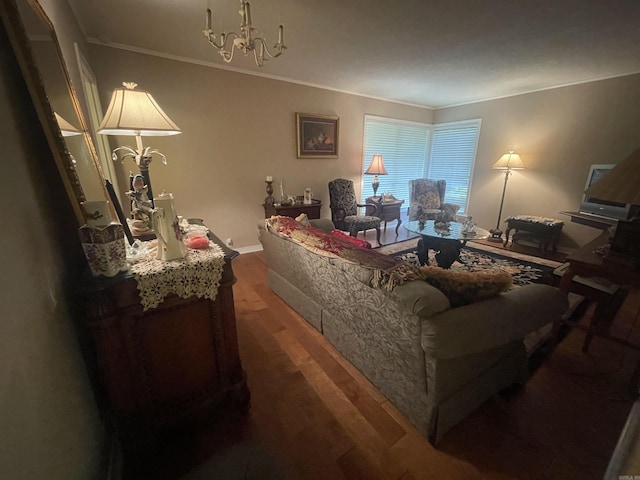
[(269, 200)]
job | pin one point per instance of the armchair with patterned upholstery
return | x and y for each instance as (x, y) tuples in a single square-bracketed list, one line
[(426, 199), (344, 209)]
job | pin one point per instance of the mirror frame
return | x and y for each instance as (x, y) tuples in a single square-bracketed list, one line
[(21, 45)]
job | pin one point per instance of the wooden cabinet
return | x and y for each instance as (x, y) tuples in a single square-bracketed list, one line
[(162, 366), (312, 211)]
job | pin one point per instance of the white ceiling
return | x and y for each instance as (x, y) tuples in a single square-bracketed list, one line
[(432, 53)]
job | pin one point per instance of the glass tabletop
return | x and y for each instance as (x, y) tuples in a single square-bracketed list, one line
[(454, 232)]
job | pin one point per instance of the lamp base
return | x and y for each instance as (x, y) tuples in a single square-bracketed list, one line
[(496, 235)]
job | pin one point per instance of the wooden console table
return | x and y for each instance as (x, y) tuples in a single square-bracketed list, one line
[(586, 262), (312, 210), (388, 211), (164, 366)]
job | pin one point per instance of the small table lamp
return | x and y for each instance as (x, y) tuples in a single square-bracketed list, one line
[(507, 162), (135, 112), (376, 168)]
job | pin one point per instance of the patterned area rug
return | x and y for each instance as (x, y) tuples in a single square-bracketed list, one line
[(524, 269)]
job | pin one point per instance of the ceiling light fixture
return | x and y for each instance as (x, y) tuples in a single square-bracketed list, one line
[(245, 41)]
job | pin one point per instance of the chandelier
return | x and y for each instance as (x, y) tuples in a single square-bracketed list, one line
[(245, 40)]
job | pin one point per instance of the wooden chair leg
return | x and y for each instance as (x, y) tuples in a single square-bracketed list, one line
[(378, 236)]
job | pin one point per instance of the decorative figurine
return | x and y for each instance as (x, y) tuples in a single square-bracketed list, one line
[(141, 206)]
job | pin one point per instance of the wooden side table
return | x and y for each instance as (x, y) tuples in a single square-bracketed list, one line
[(388, 211), (312, 210)]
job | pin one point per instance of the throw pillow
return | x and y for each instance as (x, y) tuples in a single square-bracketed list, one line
[(303, 219), (463, 288), (356, 241)]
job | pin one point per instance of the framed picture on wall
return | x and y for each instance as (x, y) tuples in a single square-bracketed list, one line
[(317, 135)]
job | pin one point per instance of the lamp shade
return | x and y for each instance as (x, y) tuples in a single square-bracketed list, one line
[(66, 128), (135, 112), (509, 161), (621, 184), (376, 167)]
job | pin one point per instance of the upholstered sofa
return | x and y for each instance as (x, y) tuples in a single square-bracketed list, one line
[(434, 362)]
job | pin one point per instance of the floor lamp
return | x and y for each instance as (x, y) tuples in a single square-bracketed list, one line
[(507, 162)]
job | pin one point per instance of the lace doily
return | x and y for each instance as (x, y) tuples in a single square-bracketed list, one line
[(198, 274)]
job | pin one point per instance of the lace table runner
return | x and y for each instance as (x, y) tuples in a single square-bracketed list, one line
[(198, 274)]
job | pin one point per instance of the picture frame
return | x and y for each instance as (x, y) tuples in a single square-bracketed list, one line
[(317, 135)]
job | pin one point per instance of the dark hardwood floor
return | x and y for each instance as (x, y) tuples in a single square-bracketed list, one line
[(314, 416)]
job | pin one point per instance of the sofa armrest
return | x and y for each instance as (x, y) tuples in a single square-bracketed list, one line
[(492, 322)]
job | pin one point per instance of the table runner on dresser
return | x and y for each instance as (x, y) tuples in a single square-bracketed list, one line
[(198, 274)]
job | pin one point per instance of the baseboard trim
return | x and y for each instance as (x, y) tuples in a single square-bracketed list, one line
[(249, 249)]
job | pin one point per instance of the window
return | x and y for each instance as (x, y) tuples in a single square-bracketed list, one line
[(453, 155), (417, 150)]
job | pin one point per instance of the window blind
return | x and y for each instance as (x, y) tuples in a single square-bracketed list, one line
[(452, 157), (417, 150), (403, 146)]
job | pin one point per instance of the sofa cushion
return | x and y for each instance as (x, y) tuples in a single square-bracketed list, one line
[(462, 288)]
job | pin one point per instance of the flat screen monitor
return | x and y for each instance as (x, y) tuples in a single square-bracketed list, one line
[(602, 207)]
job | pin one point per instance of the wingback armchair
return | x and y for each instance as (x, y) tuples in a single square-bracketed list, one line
[(344, 209), (426, 199)]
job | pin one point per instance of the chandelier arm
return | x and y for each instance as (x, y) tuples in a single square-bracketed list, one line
[(265, 49), (210, 35)]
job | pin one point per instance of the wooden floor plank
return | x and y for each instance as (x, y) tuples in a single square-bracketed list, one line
[(317, 417)]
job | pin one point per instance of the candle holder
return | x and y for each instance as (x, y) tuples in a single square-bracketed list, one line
[(269, 200)]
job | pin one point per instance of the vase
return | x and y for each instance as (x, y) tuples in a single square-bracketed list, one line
[(102, 240)]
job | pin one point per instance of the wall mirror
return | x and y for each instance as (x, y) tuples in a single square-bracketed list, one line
[(34, 40)]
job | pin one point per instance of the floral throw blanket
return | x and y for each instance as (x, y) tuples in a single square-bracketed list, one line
[(388, 272)]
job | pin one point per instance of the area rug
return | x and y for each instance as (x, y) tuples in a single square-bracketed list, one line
[(476, 256)]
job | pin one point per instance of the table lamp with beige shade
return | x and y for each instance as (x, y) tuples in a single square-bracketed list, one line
[(376, 168), (136, 113)]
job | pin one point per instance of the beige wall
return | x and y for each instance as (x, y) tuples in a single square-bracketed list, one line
[(237, 129), (49, 423), (559, 133)]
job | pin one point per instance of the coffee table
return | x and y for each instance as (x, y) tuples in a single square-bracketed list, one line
[(447, 243)]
